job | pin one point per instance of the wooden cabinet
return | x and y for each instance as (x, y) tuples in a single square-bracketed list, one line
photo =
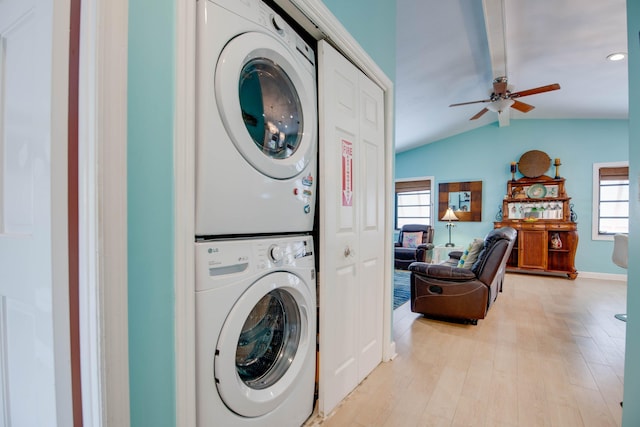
[(538, 208)]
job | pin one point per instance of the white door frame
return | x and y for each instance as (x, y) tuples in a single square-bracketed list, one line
[(184, 161), (102, 204), (184, 210)]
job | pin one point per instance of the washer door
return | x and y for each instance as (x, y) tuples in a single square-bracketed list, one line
[(267, 104), (264, 344)]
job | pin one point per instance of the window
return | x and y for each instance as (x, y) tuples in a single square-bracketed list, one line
[(610, 199), (413, 202)]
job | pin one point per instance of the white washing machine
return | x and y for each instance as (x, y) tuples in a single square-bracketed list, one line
[(255, 331), (256, 127)]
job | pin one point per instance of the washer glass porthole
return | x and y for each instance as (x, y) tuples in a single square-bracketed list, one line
[(269, 340), (271, 108)]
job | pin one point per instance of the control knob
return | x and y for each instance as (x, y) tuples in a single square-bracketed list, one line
[(275, 253), (278, 23)]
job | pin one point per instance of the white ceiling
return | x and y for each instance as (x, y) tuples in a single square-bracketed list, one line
[(443, 57)]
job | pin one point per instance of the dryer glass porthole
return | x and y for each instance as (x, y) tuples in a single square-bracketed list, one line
[(269, 340), (271, 108)]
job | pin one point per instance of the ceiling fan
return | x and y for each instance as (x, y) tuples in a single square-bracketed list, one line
[(501, 98)]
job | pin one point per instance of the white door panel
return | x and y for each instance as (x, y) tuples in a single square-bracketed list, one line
[(34, 367), (351, 224), (371, 233), (343, 361)]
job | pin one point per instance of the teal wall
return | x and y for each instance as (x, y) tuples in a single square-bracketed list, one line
[(485, 154), (631, 411), (150, 211), (373, 24)]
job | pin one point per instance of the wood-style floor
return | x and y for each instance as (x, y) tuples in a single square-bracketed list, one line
[(549, 353)]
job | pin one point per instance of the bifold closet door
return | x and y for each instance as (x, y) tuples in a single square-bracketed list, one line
[(351, 274)]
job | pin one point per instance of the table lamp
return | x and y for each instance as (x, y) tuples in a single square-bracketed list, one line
[(449, 216)]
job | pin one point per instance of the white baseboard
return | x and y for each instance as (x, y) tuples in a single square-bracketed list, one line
[(603, 276), (392, 352)]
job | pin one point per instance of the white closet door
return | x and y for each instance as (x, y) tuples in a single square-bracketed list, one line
[(351, 275), (35, 376)]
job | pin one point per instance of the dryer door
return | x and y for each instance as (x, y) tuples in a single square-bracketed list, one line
[(264, 344), (267, 102)]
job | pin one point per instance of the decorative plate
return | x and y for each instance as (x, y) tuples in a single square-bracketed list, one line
[(537, 191)]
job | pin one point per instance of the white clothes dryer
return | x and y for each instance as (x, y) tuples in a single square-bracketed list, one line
[(256, 130), (255, 331)]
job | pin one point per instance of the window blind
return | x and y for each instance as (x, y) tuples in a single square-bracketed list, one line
[(405, 186), (614, 173)]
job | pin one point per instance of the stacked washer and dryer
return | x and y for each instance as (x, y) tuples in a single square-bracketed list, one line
[(256, 162)]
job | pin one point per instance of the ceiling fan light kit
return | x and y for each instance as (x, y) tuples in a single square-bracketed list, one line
[(500, 105)]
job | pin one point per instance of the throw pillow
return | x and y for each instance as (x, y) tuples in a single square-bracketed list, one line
[(470, 255), (411, 239), (465, 254)]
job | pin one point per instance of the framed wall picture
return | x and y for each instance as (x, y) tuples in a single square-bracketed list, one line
[(464, 198)]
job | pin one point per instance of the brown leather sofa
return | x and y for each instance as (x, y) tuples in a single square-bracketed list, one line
[(448, 292)]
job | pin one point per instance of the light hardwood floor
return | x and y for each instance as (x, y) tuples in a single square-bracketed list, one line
[(549, 353)]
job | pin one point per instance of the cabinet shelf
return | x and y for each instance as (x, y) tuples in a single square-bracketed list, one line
[(537, 199)]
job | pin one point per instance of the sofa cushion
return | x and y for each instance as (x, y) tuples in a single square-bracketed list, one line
[(470, 255), (411, 239)]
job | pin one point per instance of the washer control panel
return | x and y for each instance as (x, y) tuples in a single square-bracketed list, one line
[(227, 259), (282, 253)]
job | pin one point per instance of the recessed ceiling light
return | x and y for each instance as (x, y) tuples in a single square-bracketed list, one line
[(616, 56)]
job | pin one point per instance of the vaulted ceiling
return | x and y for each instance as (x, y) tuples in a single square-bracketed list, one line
[(450, 51)]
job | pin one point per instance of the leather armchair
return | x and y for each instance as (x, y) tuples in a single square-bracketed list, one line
[(404, 256), (446, 291)]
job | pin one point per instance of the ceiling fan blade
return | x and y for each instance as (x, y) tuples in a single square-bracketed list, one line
[(522, 107), (536, 90), (477, 116), (470, 102)]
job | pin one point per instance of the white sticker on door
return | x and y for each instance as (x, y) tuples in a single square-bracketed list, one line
[(347, 173)]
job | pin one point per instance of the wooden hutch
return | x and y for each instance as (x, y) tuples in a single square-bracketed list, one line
[(538, 208)]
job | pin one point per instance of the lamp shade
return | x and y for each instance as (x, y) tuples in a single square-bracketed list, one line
[(449, 215), (500, 105)]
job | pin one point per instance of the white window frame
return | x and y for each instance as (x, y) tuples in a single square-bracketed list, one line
[(595, 210), (431, 180)]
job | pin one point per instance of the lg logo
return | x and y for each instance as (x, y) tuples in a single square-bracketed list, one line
[(213, 250)]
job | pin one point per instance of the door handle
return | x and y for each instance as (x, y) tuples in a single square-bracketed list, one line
[(347, 252)]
